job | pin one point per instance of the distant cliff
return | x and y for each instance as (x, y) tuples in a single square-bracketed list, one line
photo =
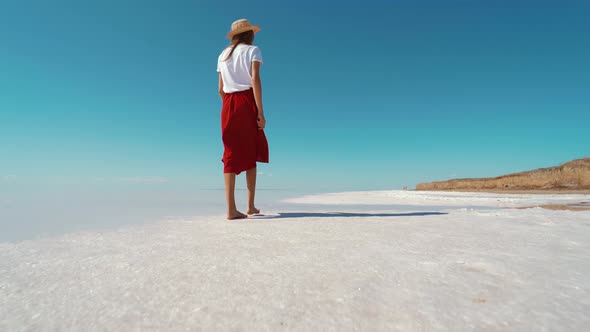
[(573, 175)]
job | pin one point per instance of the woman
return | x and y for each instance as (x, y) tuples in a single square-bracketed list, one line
[(242, 114)]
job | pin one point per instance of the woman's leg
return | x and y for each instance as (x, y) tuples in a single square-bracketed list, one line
[(251, 183), (230, 186)]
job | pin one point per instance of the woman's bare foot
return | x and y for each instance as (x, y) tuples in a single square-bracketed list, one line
[(253, 210), (236, 215)]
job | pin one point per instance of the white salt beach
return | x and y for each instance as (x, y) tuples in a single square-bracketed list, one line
[(379, 261)]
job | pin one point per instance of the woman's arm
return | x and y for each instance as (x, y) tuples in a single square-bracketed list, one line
[(257, 87), (221, 93)]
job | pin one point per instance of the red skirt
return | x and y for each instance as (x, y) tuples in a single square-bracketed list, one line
[(243, 142)]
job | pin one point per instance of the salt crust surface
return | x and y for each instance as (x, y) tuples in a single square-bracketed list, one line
[(438, 198), (457, 269)]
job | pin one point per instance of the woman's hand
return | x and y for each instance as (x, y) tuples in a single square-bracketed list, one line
[(261, 122), (257, 89)]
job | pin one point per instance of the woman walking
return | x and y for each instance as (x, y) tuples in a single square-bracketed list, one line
[(242, 114)]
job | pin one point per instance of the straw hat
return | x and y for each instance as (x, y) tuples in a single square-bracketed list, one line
[(242, 25)]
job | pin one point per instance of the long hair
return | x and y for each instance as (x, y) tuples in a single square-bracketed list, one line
[(246, 37)]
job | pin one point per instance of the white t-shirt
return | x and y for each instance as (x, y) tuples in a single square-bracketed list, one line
[(236, 72)]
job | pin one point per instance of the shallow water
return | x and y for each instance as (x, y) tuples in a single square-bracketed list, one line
[(48, 212), (39, 214)]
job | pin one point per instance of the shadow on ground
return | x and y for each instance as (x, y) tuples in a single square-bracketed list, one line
[(283, 215)]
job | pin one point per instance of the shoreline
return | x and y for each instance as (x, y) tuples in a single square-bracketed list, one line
[(559, 207)]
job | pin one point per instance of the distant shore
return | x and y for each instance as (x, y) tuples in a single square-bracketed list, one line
[(572, 177), (517, 191)]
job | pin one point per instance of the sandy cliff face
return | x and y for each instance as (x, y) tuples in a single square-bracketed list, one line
[(571, 175)]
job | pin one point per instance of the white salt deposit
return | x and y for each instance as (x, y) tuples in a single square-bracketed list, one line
[(437, 198), (303, 268)]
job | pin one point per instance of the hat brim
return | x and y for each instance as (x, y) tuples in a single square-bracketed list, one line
[(254, 28)]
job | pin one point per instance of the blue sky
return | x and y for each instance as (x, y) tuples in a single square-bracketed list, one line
[(358, 95)]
